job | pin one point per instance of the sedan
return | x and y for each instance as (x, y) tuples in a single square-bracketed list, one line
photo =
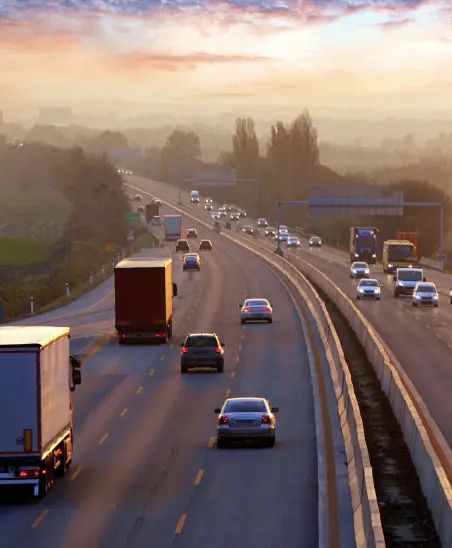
[(246, 419), (315, 241), (425, 293), (270, 231), (283, 237), (248, 229), (256, 309), (359, 270), (191, 261), (242, 213), (234, 216), (368, 289), (182, 245), (202, 350), (205, 245), (216, 215), (208, 207), (262, 222), (191, 233), (293, 241), (222, 212)]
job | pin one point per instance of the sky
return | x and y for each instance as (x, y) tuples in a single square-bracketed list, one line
[(164, 58)]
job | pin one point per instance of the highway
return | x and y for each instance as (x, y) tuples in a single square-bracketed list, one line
[(145, 469), (420, 338)]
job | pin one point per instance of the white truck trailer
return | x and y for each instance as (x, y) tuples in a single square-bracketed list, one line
[(37, 375)]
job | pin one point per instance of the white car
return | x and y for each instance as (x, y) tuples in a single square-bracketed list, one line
[(256, 310), (359, 270), (293, 241), (368, 289), (425, 293), (283, 237)]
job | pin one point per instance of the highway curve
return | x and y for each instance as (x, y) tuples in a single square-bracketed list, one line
[(145, 471)]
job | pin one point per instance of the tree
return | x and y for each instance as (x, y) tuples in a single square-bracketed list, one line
[(245, 148), (305, 150), (279, 159), (180, 155)]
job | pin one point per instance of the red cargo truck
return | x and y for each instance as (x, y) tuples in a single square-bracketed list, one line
[(144, 293), (412, 236)]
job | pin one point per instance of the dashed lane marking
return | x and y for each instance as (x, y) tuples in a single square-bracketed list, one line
[(199, 476), (123, 412), (237, 359), (139, 390), (162, 357), (232, 375), (171, 345), (228, 392), (211, 442), (240, 347), (181, 523), (39, 519), (104, 438), (151, 372), (76, 472)]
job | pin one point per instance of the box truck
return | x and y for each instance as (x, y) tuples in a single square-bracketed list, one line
[(173, 227), (144, 293), (37, 376)]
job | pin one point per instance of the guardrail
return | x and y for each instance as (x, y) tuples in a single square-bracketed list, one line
[(366, 514), (436, 265)]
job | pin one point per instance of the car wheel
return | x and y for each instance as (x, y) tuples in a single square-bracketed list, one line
[(378, 298), (271, 442), (242, 321), (221, 444), (357, 297), (183, 369), (270, 320), (436, 305), (220, 368), (414, 304)]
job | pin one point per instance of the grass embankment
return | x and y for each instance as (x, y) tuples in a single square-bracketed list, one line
[(83, 260), (20, 251)]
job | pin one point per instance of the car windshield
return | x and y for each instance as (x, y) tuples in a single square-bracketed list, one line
[(245, 406), (426, 289), (409, 275), (360, 265), (191, 256), (197, 341), (256, 302), (369, 283), (401, 252)]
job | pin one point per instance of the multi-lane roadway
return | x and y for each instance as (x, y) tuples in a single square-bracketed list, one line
[(146, 471)]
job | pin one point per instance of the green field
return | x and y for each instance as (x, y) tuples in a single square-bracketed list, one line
[(19, 251)]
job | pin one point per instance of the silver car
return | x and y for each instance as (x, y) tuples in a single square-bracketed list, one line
[(368, 289), (255, 310), (425, 293), (246, 419), (359, 270), (315, 241), (293, 241)]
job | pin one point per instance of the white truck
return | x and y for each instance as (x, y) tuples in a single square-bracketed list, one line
[(37, 376), (195, 197), (173, 226)]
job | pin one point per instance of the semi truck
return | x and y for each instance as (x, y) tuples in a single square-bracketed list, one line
[(173, 227), (151, 210), (399, 254), (410, 235), (144, 293), (36, 435), (363, 244)]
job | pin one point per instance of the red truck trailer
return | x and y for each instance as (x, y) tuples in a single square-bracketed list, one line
[(412, 236), (144, 293)]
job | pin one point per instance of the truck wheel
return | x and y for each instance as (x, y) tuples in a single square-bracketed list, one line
[(396, 293), (170, 330), (220, 368), (221, 444)]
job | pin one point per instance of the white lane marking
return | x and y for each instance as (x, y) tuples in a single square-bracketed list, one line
[(39, 519), (76, 472), (103, 438)]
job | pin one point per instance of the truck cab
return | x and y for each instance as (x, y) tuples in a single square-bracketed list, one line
[(405, 280)]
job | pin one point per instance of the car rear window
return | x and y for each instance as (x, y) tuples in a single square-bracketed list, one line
[(200, 341), (256, 302), (246, 406), (427, 288)]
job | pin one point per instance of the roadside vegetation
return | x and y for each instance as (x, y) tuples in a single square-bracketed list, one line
[(18, 251)]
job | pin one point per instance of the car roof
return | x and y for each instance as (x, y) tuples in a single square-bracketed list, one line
[(201, 334), (429, 284), (206, 241), (246, 398), (256, 299)]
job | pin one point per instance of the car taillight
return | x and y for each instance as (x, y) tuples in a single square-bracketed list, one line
[(184, 350), (218, 349), (246, 309), (29, 473), (266, 309), (266, 419), (223, 420)]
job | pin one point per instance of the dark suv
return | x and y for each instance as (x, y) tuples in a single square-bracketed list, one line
[(182, 245), (202, 350)]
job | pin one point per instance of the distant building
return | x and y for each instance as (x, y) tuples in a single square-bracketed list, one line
[(55, 116)]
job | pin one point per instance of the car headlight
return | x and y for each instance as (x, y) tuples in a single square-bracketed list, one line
[(374, 255), (377, 290), (435, 297), (400, 283), (366, 271), (360, 289), (389, 265), (356, 255), (417, 296)]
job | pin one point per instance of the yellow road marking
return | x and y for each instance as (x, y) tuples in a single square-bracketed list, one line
[(123, 412), (228, 392), (39, 519), (104, 438), (181, 523), (211, 442), (139, 390), (151, 372), (76, 472), (199, 476), (232, 375)]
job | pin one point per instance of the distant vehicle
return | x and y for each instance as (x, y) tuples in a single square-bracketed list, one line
[(140, 209), (119, 170), (270, 231), (283, 228), (173, 227), (216, 215), (138, 197), (246, 419), (425, 293), (156, 220), (205, 245), (208, 207), (315, 241), (202, 350), (405, 280), (227, 207), (242, 213), (222, 211), (283, 237), (195, 197), (208, 201), (182, 245), (399, 254), (359, 270), (234, 216), (255, 310), (293, 241), (368, 289), (128, 172), (411, 236), (144, 293), (157, 202), (363, 244), (261, 222), (36, 435), (191, 233), (151, 211), (191, 261), (248, 229)]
